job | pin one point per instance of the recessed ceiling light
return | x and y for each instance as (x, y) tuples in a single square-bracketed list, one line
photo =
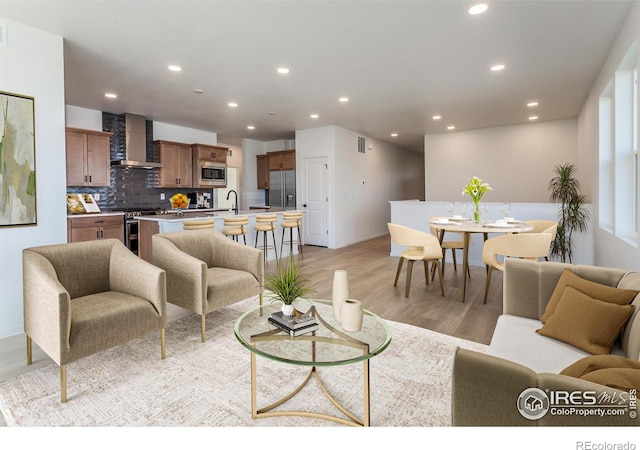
[(314, 116), (437, 117), (174, 68), (451, 127), (497, 67), (478, 8), (272, 113), (250, 127), (394, 134), (343, 99), (232, 105), (533, 118), (283, 70), (110, 95), (532, 104), (198, 91)]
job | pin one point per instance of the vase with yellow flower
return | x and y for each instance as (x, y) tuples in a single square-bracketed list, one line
[(476, 190)]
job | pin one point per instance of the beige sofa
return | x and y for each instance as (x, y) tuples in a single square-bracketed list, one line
[(207, 271), (487, 388)]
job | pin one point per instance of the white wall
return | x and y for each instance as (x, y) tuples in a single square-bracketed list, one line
[(361, 184), (609, 249), (87, 119), (175, 133), (517, 161), (32, 64)]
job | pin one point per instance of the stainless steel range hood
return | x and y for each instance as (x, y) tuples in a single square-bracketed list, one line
[(135, 144)]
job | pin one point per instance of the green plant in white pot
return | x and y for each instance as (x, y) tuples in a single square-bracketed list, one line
[(288, 285)]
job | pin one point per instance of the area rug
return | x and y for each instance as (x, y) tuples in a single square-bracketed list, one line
[(208, 384)]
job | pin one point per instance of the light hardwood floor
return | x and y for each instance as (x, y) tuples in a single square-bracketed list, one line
[(371, 271)]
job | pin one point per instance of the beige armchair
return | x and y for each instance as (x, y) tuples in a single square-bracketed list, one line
[(206, 271), (526, 245), (543, 226), (84, 297), (451, 244), (421, 246)]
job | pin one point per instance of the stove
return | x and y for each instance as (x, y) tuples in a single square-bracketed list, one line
[(131, 224)]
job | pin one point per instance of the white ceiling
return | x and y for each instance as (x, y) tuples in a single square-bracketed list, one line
[(399, 62)]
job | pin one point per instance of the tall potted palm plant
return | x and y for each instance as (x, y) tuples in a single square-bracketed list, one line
[(573, 214)]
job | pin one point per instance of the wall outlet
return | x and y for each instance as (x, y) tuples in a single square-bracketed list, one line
[(162, 196), (96, 197)]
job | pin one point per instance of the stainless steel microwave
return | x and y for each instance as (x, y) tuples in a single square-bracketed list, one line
[(211, 174)]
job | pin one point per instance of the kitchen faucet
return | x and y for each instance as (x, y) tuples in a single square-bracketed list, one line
[(236, 194)]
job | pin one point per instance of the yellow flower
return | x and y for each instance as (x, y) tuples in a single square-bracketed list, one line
[(476, 189)]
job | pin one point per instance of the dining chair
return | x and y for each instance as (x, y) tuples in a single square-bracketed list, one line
[(451, 244), (523, 245), (421, 246), (543, 226)]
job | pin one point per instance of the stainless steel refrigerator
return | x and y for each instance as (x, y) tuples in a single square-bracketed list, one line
[(282, 189)]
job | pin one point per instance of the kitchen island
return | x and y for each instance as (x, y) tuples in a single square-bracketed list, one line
[(167, 223)]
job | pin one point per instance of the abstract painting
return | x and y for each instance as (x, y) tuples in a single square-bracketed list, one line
[(17, 160)]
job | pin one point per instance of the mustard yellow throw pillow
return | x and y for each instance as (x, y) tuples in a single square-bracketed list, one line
[(592, 289), (584, 322), (609, 370)]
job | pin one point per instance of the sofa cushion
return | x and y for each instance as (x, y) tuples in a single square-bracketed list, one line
[(609, 370), (595, 290), (589, 324), (515, 339)]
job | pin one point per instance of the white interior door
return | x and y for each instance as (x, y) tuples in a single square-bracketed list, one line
[(315, 201)]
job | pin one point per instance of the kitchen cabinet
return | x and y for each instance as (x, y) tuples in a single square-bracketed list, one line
[(203, 152), (177, 166), (282, 160), (93, 228), (88, 156), (263, 171)]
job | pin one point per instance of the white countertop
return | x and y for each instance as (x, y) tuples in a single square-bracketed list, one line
[(193, 215), (101, 214)]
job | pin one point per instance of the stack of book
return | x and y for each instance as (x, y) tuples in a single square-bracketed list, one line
[(294, 325)]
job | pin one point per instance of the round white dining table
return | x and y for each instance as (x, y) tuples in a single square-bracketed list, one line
[(466, 227)]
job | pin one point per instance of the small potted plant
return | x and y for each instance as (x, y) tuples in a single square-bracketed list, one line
[(288, 285)]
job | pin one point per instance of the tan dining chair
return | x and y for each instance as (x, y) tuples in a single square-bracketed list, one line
[(421, 246), (450, 244), (524, 245), (198, 224), (543, 226)]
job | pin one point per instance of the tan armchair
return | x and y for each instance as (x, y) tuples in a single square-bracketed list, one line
[(422, 246), (543, 226), (206, 271), (84, 297), (451, 244), (526, 245)]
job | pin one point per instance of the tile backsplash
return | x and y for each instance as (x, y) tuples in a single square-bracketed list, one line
[(131, 188)]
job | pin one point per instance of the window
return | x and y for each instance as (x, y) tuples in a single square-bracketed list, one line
[(618, 151)]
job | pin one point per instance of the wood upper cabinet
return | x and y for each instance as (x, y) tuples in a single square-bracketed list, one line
[(203, 152), (93, 228), (177, 167), (88, 156), (282, 160), (263, 171)]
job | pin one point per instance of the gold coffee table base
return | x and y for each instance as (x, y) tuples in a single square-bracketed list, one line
[(313, 373)]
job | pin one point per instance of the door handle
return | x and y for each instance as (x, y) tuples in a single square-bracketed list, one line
[(304, 205)]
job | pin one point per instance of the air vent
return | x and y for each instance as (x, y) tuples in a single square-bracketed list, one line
[(361, 144)]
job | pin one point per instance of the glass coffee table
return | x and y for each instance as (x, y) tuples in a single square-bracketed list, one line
[(328, 346)]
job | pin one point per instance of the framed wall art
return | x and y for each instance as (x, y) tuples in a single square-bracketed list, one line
[(17, 160)]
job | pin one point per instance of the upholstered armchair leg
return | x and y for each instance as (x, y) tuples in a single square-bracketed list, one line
[(29, 351), (63, 383), (486, 287), (203, 327), (163, 345), (395, 283), (409, 270)]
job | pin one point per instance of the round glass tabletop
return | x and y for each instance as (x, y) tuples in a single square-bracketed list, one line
[(329, 345)]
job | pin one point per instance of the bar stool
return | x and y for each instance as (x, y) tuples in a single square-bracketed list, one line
[(264, 224), (198, 224), (236, 226), (290, 221)]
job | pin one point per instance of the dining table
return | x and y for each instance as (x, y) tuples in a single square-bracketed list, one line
[(466, 227)]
